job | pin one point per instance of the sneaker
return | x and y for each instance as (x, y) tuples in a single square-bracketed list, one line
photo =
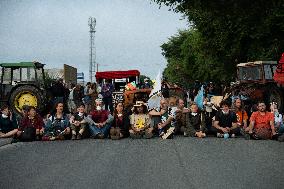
[(281, 138), (79, 136), (135, 135), (169, 133), (114, 137), (73, 137), (100, 136), (233, 136), (220, 135), (45, 138), (247, 136), (148, 135), (15, 140), (161, 134), (38, 138), (52, 138)]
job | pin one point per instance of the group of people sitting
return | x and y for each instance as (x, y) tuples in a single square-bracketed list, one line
[(172, 118)]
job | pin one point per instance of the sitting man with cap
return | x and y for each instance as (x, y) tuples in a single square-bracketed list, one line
[(100, 121)]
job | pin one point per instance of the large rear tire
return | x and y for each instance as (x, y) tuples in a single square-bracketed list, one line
[(26, 95)]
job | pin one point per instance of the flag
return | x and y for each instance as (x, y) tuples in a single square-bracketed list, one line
[(155, 95), (199, 98)]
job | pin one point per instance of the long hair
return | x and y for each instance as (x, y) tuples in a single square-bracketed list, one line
[(145, 111), (115, 111), (234, 104)]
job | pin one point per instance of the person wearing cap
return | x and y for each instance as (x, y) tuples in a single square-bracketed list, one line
[(100, 121), (140, 122), (226, 121), (146, 84)]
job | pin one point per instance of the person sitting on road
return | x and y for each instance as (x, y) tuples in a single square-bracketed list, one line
[(23, 113), (100, 121), (8, 123), (78, 122), (226, 121), (121, 123), (242, 116), (195, 123), (166, 127), (140, 122), (261, 123), (57, 125), (181, 114), (156, 113), (278, 118), (210, 112), (32, 120)]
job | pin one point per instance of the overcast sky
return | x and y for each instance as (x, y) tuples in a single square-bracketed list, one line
[(128, 35)]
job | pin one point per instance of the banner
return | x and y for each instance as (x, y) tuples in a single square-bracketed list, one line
[(155, 95)]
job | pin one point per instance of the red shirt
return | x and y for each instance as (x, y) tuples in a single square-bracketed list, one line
[(36, 122), (99, 116), (262, 121)]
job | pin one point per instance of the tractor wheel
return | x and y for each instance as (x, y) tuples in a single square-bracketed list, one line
[(26, 95), (275, 95)]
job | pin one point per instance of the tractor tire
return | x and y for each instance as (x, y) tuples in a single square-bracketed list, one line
[(276, 95), (26, 95)]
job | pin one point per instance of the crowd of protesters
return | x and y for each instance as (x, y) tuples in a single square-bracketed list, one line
[(83, 112)]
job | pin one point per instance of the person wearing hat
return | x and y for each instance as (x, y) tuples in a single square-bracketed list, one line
[(100, 121), (146, 84), (140, 122)]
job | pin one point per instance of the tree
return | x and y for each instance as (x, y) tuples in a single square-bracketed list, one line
[(229, 32)]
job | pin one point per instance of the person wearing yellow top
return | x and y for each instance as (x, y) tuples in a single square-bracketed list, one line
[(140, 122)]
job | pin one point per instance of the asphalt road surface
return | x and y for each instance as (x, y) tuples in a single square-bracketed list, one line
[(154, 163)]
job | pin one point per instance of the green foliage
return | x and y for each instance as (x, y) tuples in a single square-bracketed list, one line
[(223, 33)]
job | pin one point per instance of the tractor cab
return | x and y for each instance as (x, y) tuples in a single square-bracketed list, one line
[(257, 72), (22, 84)]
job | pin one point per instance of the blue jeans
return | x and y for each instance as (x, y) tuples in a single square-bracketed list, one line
[(96, 130)]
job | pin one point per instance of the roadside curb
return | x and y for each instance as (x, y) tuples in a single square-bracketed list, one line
[(5, 141)]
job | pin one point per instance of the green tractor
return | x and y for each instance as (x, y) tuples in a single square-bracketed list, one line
[(23, 84)]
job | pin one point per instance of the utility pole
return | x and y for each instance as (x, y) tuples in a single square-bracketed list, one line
[(92, 66)]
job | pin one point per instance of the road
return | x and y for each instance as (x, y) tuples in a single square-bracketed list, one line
[(154, 163)]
